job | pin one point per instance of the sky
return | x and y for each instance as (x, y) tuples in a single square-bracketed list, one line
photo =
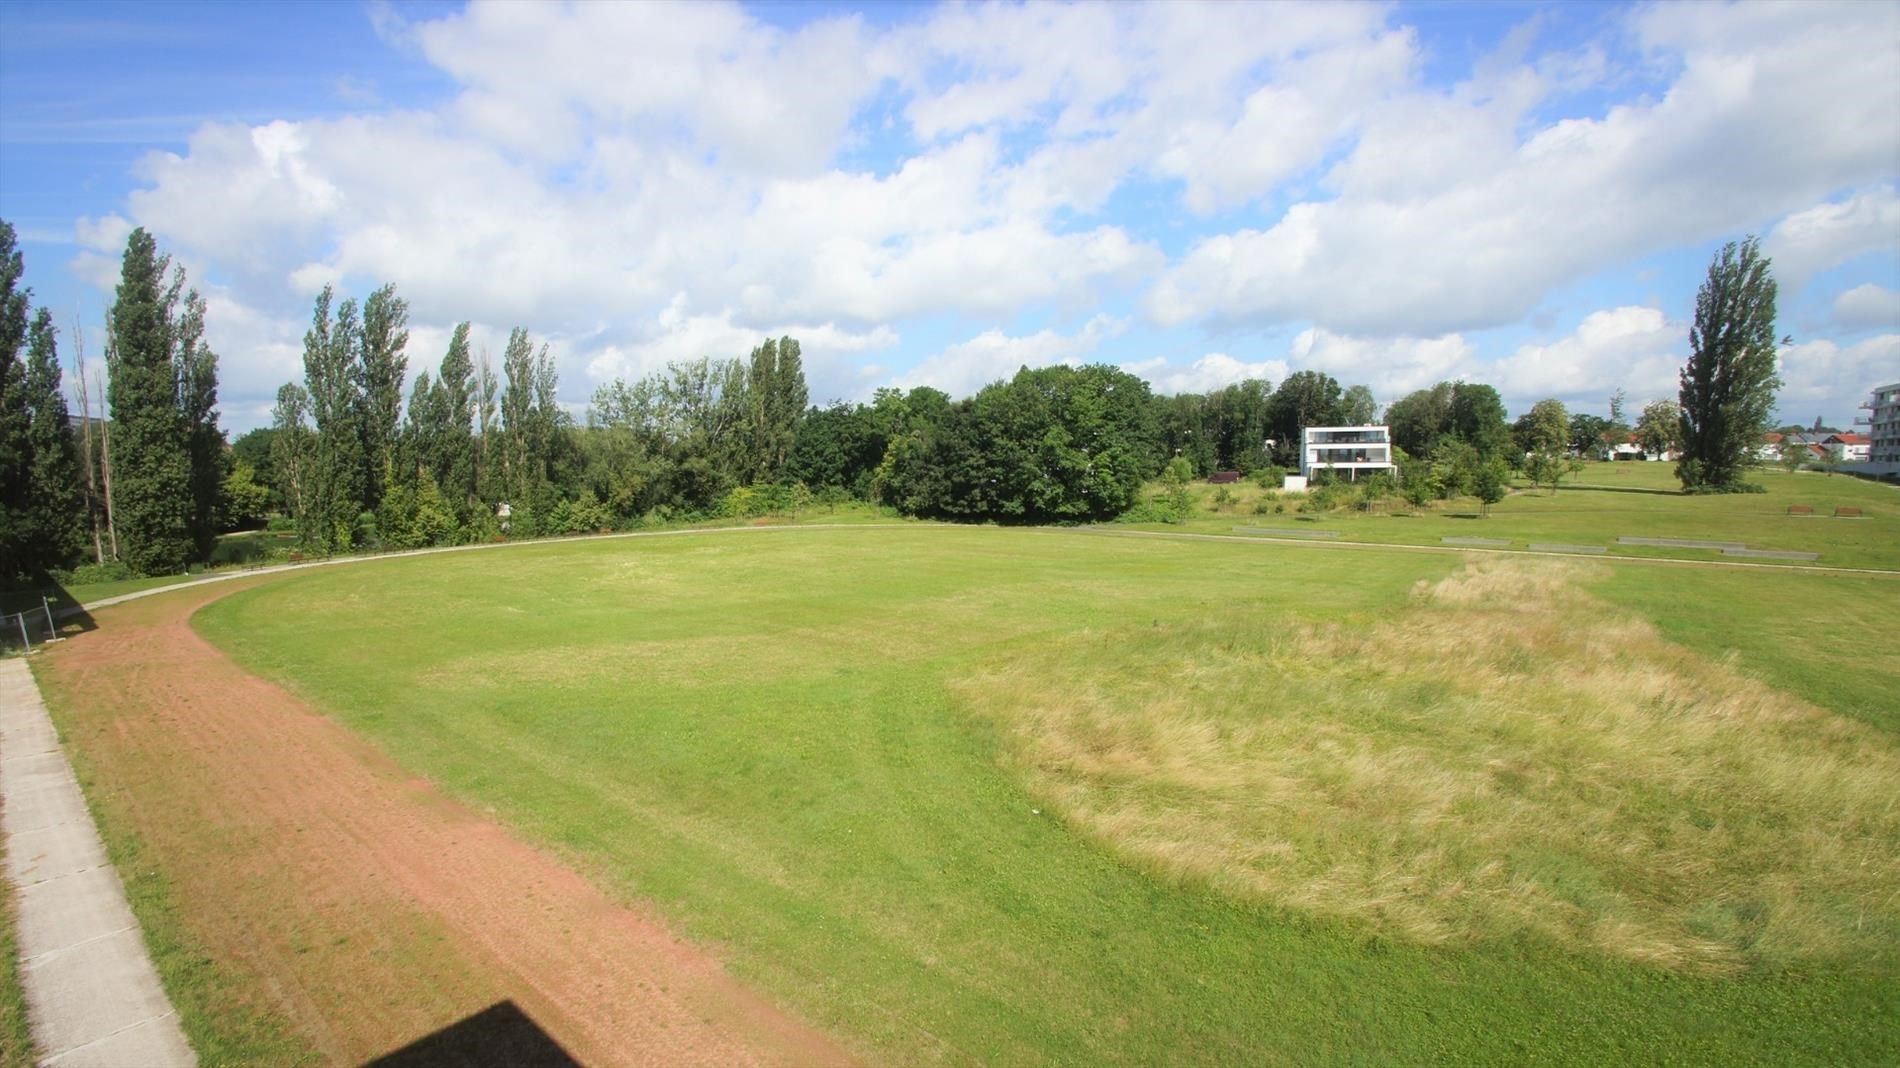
[(1521, 194)]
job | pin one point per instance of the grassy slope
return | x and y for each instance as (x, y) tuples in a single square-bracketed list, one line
[(756, 734), (1612, 500)]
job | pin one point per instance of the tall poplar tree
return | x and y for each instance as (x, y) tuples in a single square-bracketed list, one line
[(454, 458), (16, 418), (1729, 383), (293, 452), (57, 526), (333, 377), (197, 368), (151, 477), (518, 417), (382, 364), (775, 400)]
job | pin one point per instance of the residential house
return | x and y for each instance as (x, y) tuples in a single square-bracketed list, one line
[(1849, 447)]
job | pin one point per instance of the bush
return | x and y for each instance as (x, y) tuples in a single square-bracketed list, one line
[(1732, 487), (1223, 497), (1270, 477), (93, 574), (1167, 507)]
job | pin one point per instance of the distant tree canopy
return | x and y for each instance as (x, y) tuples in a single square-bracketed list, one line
[(1050, 444), (362, 454), (1469, 411)]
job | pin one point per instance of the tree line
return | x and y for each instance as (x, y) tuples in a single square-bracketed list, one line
[(359, 456), (141, 487)]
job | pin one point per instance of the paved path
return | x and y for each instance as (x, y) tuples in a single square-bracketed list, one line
[(91, 992)]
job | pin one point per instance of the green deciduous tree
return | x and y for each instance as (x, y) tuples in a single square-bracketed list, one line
[(1659, 428), (1491, 482), (333, 377), (57, 517), (1419, 418), (1586, 434), (1543, 438), (1477, 416), (243, 501), (454, 458), (382, 365), (293, 455), (775, 400), (197, 368), (1729, 382), (1306, 398), (1358, 407), (151, 464), (16, 416)]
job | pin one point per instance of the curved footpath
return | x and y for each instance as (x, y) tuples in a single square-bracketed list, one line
[(92, 995)]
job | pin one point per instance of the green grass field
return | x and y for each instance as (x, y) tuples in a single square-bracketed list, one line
[(1611, 500), (1049, 797)]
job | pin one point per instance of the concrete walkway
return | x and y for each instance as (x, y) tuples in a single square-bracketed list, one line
[(92, 995)]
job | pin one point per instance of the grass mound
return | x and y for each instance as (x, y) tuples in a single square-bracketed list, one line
[(1505, 755)]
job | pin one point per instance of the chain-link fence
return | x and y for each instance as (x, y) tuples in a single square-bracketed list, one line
[(27, 628)]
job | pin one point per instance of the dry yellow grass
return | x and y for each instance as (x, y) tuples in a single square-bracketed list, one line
[(1503, 756)]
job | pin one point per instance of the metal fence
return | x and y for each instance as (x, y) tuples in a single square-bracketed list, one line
[(27, 628)]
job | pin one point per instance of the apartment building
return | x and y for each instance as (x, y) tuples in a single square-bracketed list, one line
[(1348, 450), (1883, 427)]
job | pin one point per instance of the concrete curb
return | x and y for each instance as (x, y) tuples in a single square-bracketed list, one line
[(92, 995)]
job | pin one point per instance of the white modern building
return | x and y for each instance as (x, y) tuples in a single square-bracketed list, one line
[(1348, 451), (1883, 428)]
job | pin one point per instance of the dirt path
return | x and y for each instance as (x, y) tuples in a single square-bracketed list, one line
[(360, 902)]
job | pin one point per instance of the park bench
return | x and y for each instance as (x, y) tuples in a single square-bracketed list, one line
[(1800, 509), (1220, 478), (1847, 511)]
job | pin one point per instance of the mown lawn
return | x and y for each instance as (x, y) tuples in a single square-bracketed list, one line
[(784, 739), (1605, 502)]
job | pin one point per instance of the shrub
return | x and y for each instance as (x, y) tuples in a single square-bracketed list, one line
[(92, 574), (1270, 477)]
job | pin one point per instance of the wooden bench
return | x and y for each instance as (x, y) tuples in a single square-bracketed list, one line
[(1221, 478), (1847, 511), (1800, 509)]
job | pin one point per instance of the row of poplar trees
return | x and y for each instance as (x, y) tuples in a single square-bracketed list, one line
[(148, 494), (355, 467)]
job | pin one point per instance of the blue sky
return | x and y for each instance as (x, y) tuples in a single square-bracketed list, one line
[(1524, 194)]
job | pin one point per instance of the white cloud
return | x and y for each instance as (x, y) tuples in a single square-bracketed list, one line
[(639, 183), (1867, 306), (1391, 366), (1633, 348), (1454, 212), (1216, 370), (1831, 380), (968, 366), (678, 335), (1829, 234)]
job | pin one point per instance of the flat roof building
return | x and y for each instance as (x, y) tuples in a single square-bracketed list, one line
[(1347, 450), (1883, 430)]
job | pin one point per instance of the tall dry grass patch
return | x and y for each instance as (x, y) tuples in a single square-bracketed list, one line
[(1503, 756)]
